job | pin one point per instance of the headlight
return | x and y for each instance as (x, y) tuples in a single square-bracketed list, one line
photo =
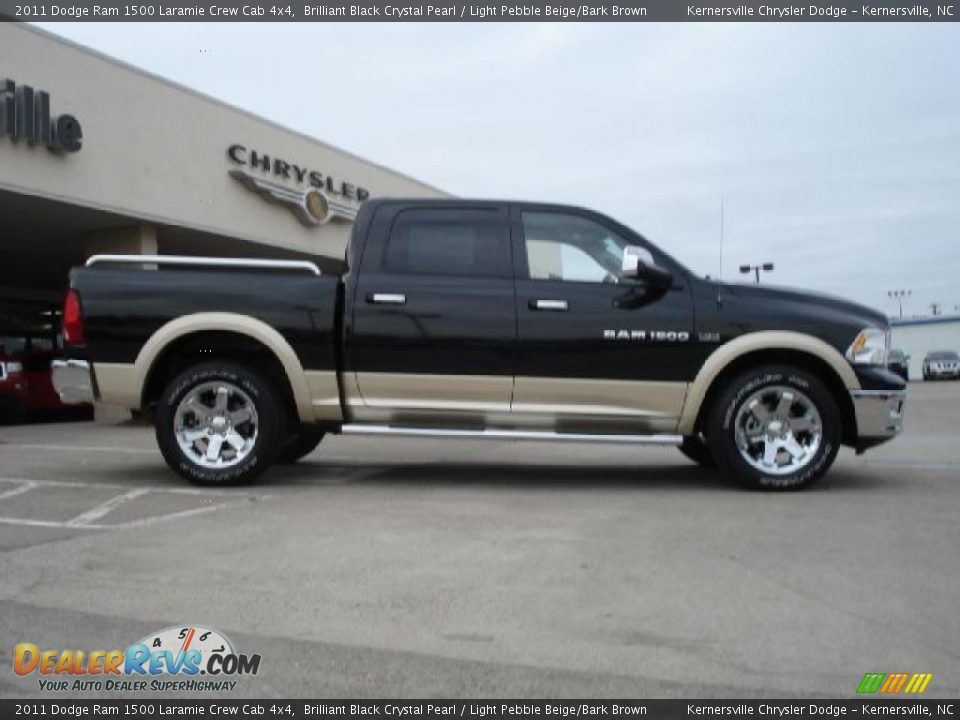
[(870, 347), (13, 367)]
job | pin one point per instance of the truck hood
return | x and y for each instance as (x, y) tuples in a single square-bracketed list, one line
[(798, 299)]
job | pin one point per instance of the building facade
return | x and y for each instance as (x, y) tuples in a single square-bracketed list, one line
[(98, 156)]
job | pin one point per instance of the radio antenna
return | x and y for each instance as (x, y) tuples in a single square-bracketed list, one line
[(720, 275)]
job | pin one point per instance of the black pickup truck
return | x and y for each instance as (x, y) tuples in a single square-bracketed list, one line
[(478, 319)]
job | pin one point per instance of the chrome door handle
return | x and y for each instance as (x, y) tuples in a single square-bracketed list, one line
[(387, 298), (556, 305)]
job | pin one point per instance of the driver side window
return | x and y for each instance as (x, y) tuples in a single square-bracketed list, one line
[(571, 248)]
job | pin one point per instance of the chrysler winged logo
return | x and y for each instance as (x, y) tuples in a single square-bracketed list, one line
[(312, 206)]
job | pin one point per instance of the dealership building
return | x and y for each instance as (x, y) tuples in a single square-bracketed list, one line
[(97, 156)]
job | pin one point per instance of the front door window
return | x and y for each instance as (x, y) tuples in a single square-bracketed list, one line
[(571, 248)]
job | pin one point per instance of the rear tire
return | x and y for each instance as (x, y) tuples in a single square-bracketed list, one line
[(219, 424), (301, 444), (695, 448), (775, 428)]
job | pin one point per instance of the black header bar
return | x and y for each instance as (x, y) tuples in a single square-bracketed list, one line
[(520, 10)]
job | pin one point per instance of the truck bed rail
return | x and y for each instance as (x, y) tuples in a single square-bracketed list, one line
[(191, 261)]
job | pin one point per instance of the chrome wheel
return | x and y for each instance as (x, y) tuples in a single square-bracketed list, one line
[(216, 424), (778, 430)]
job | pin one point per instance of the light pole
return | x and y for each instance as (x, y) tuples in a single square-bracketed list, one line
[(899, 296), (766, 267)]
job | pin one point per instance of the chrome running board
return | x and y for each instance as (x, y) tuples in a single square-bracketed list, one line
[(509, 435)]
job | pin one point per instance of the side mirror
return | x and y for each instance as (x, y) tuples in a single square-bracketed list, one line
[(638, 264)]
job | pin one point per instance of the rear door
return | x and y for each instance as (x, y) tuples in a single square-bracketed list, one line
[(596, 351), (433, 328)]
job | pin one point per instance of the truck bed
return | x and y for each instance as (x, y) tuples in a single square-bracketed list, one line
[(302, 308)]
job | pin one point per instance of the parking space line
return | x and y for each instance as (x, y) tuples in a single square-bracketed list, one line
[(26, 486), (95, 513), (39, 523), (115, 486), (88, 519), (140, 522)]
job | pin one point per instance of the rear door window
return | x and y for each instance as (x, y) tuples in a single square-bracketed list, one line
[(460, 242)]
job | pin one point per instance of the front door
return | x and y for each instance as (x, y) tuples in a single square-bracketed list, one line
[(596, 351), (433, 331)]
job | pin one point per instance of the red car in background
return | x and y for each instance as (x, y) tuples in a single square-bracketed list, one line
[(26, 389), (11, 387)]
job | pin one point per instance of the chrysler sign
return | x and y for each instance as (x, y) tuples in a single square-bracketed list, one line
[(25, 115), (301, 174), (315, 200), (311, 206)]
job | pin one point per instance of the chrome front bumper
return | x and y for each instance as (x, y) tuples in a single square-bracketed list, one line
[(74, 382), (879, 415)]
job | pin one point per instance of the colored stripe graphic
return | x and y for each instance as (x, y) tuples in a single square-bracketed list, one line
[(871, 683), (894, 683), (918, 683)]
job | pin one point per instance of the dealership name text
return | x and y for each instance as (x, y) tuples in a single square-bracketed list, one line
[(25, 115)]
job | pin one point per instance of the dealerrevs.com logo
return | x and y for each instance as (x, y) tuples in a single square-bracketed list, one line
[(182, 658)]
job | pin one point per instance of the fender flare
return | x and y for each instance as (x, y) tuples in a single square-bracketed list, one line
[(721, 358), (227, 322)]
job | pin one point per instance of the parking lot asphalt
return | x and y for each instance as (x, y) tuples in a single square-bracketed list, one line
[(415, 568)]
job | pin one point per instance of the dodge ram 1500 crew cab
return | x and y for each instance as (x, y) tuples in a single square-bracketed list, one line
[(478, 319)]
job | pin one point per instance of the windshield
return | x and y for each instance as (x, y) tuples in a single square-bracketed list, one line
[(943, 355)]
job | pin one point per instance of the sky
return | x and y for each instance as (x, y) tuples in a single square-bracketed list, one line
[(835, 147)]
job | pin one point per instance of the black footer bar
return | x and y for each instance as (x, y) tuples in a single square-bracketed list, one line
[(474, 709)]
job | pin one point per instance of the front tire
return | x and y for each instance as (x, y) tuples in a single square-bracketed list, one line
[(219, 424), (775, 428)]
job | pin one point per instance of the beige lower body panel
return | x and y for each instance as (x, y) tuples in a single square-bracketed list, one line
[(118, 384), (405, 391), (529, 403), (591, 405), (324, 395), (598, 397), (467, 401)]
